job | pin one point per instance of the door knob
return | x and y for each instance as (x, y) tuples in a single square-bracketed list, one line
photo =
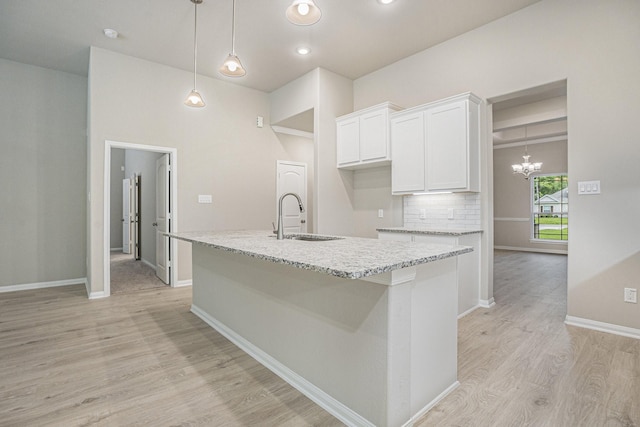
[(303, 221), (155, 224)]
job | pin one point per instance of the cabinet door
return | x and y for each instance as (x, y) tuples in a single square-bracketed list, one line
[(347, 139), (447, 147), (407, 152), (374, 136)]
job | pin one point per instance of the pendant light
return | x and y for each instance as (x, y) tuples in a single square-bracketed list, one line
[(526, 168), (231, 66), (303, 12), (194, 99)]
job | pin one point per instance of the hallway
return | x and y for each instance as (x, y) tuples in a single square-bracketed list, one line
[(129, 275)]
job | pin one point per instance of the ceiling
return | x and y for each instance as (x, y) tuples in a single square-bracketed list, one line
[(353, 37)]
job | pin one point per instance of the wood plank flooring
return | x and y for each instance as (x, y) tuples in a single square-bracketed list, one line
[(132, 359), (520, 365), (144, 359)]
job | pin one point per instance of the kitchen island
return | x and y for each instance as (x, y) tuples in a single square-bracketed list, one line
[(365, 328)]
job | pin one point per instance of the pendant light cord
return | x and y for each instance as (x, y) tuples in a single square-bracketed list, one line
[(233, 28), (195, 45)]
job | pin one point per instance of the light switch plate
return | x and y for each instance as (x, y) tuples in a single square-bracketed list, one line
[(205, 198), (589, 187)]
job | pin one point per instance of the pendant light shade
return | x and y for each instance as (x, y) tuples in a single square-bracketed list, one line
[(232, 66), (303, 12), (194, 99)]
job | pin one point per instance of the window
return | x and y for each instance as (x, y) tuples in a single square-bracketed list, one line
[(550, 203)]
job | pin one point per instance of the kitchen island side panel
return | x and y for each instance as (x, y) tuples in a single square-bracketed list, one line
[(378, 350)]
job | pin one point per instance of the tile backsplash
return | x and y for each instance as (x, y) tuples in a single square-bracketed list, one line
[(466, 210)]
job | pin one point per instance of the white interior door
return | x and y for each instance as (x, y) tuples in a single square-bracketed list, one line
[(163, 218), (126, 216), (292, 178)]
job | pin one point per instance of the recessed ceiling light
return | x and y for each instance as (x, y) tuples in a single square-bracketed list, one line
[(112, 34), (385, 1), (303, 50)]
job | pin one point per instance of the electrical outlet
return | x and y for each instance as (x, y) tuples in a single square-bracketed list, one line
[(631, 295), (380, 213), (423, 214)]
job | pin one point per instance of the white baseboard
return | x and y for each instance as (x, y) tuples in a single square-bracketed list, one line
[(42, 285), (116, 249), (487, 303), (431, 404), (542, 251), (97, 295), (321, 398), (144, 261), (183, 283), (603, 327), (461, 315)]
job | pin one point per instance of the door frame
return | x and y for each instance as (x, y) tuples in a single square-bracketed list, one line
[(173, 205)]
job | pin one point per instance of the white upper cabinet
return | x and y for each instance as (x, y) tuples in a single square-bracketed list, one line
[(363, 137), (348, 139), (436, 146), (407, 148)]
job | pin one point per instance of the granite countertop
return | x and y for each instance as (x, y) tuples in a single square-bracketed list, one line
[(346, 257), (435, 231)]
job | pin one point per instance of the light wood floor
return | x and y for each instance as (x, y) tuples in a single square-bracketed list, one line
[(144, 359), (520, 365)]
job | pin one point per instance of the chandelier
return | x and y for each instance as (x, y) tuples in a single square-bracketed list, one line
[(526, 168)]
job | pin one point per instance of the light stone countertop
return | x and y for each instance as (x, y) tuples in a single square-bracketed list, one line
[(347, 257), (434, 231)]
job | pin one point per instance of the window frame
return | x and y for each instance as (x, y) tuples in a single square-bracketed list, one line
[(533, 212)]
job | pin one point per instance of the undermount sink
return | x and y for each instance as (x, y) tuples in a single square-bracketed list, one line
[(312, 238)]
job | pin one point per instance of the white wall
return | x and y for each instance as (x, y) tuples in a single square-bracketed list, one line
[(371, 190), (220, 150), (42, 175), (512, 195), (594, 45), (329, 95)]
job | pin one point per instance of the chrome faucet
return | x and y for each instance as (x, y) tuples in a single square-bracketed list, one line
[(279, 231)]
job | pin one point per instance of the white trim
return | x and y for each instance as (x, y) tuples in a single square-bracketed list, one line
[(322, 399), (42, 285), (532, 141), (294, 132), (461, 315), (513, 219), (184, 283), (144, 261), (549, 242), (539, 250), (116, 249), (603, 327), (97, 295), (487, 303), (431, 404), (173, 246)]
